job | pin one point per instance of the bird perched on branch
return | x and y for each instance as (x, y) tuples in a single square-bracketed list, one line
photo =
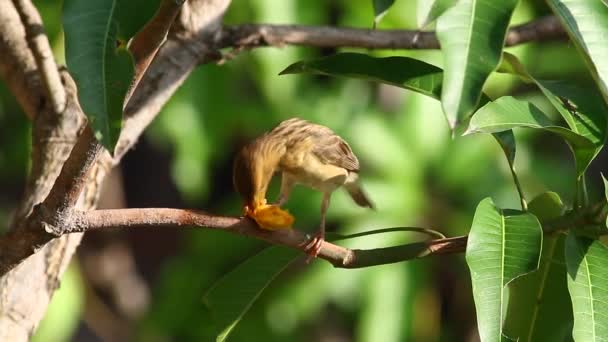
[(304, 153)]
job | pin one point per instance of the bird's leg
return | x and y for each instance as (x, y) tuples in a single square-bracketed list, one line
[(287, 184), (314, 247)]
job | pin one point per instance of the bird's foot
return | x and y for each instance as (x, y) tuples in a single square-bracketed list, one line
[(314, 246)]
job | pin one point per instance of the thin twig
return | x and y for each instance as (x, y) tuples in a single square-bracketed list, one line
[(41, 49), (256, 35)]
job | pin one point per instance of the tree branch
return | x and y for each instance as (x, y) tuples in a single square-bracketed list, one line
[(148, 40), (182, 218), (17, 63), (256, 35), (75, 172), (41, 49)]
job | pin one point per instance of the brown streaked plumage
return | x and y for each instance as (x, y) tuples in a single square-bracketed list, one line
[(305, 153)]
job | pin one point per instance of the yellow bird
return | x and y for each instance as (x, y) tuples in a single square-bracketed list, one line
[(304, 153)]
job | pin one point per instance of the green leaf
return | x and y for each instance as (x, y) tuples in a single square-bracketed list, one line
[(380, 9), (586, 260), (582, 108), (605, 193), (133, 15), (506, 140), (472, 35), (404, 72), (429, 10), (547, 206), (537, 300), (232, 296), (100, 65), (502, 245), (508, 112), (587, 25)]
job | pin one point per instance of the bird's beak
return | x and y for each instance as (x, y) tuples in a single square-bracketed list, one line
[(251, 206)]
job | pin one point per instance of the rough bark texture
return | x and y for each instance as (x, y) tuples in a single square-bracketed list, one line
[(26, 291)]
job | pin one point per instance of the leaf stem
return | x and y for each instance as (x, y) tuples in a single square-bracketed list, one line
[(520, 191), (582, 197)]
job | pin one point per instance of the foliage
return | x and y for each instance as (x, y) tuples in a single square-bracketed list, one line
[(526, 285)]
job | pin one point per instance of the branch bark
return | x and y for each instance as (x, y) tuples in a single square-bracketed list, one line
[(26, 290), (40, 47), (183, 218), (258, 35)]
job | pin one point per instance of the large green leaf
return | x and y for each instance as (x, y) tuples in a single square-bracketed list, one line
[(429, 10), (99, 63), (586, 260), (582, 108), (404, 72), (232, 296), (502, 245), (380, 9), (537, 300), (508, 112), (586, 21), (472, 35)]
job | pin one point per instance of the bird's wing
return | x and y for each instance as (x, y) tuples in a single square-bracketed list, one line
[(331, 149), (300, 135)]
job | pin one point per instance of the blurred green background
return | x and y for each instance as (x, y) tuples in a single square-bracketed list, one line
[(148, 285)]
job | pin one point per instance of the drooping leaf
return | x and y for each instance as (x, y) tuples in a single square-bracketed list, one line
[(380, 9), (99, 63), (508, 112), (537, 300), (404, 72), (502, 245), (586, 260), (582, 108), (472, 35), (429, 10), (232, 296), (587, 25)]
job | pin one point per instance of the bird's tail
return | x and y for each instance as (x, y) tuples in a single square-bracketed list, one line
[(358, 195)]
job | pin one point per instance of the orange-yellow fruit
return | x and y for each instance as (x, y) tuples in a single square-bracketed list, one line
[(271, 217)]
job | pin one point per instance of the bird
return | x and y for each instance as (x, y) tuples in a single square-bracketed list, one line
[(303, 153)]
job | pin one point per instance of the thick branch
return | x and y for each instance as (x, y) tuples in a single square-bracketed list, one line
[(74, 174), (17, 64), (182, 218), (255, 35), (40, 47)]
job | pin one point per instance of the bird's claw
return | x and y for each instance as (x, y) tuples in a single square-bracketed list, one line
[(313, 247)]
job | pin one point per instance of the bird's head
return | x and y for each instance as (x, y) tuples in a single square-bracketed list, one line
[(253, 168)]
